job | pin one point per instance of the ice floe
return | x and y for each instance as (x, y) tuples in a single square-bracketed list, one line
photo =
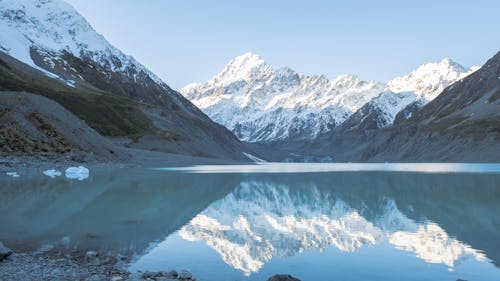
[(78, 173), (12, 174), (52, 173)]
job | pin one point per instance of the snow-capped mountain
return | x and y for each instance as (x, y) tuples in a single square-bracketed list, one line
[(52, 37), (417, 88), (261, 104), (52, 27), (261, 220)]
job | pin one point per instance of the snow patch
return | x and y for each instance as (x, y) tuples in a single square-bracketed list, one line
[(254, 158)]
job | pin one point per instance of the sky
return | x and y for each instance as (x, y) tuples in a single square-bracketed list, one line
[(187, 41)]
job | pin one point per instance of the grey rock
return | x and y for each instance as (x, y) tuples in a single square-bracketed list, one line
[(185, 275), (282, 277), (170, 274), (94, 278), (4, 252), (116, 278)]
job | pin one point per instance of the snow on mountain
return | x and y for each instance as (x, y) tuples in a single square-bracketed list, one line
[(420, 86), (260, 103), (55, 26), (261, 220)]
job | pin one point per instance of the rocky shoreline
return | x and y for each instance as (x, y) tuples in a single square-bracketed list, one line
[(84, 266)]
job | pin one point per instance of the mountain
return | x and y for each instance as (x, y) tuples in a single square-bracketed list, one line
[(462, 124), (48, 48), (403, 95), (262, 105)]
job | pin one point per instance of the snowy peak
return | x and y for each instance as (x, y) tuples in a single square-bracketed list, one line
[(49, 24), (260, 103), (244, 67), (51, 27), (429, 79)]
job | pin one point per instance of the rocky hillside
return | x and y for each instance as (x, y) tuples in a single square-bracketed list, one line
[(36, 125), (48, 48), (263, 105)]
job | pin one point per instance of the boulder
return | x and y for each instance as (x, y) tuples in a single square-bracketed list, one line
[(4, 252), (282, 277), (185, 275)]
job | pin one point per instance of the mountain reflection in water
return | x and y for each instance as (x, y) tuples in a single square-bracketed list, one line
[(253, 221)]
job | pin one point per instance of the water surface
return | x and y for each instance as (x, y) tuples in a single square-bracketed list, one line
[(316, 222)]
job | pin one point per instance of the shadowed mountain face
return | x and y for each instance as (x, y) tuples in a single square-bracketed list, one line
[(47, 48)]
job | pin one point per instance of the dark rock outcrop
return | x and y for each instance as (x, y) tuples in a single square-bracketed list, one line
[(282, 277), (4, 252)]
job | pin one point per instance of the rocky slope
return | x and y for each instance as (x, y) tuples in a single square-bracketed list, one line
[(36, 125), (260, 104), (48, 48)]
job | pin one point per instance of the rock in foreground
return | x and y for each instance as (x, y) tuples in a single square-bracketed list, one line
[(4, 252), (282, 277)]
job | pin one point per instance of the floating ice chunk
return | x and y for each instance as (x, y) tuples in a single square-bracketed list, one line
[(78, 173), (12, 174), (52, 173)]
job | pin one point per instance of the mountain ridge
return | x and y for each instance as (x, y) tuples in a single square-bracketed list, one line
[(261, 104)]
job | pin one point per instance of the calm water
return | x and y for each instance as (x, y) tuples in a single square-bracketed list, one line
[(316, 222)]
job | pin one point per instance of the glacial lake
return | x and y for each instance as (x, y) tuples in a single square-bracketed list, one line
[(249, 222)]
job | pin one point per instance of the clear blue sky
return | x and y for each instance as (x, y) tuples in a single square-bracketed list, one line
[(190, 41)]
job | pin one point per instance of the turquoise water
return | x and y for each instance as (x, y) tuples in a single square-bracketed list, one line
[(316, 222)]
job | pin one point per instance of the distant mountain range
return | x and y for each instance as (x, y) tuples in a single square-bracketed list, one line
[(289, 116), (261, 104)]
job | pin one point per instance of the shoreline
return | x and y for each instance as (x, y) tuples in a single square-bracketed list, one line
[(77, 265), (137, 158)]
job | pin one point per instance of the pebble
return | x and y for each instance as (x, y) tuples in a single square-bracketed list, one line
[(91, 255)]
